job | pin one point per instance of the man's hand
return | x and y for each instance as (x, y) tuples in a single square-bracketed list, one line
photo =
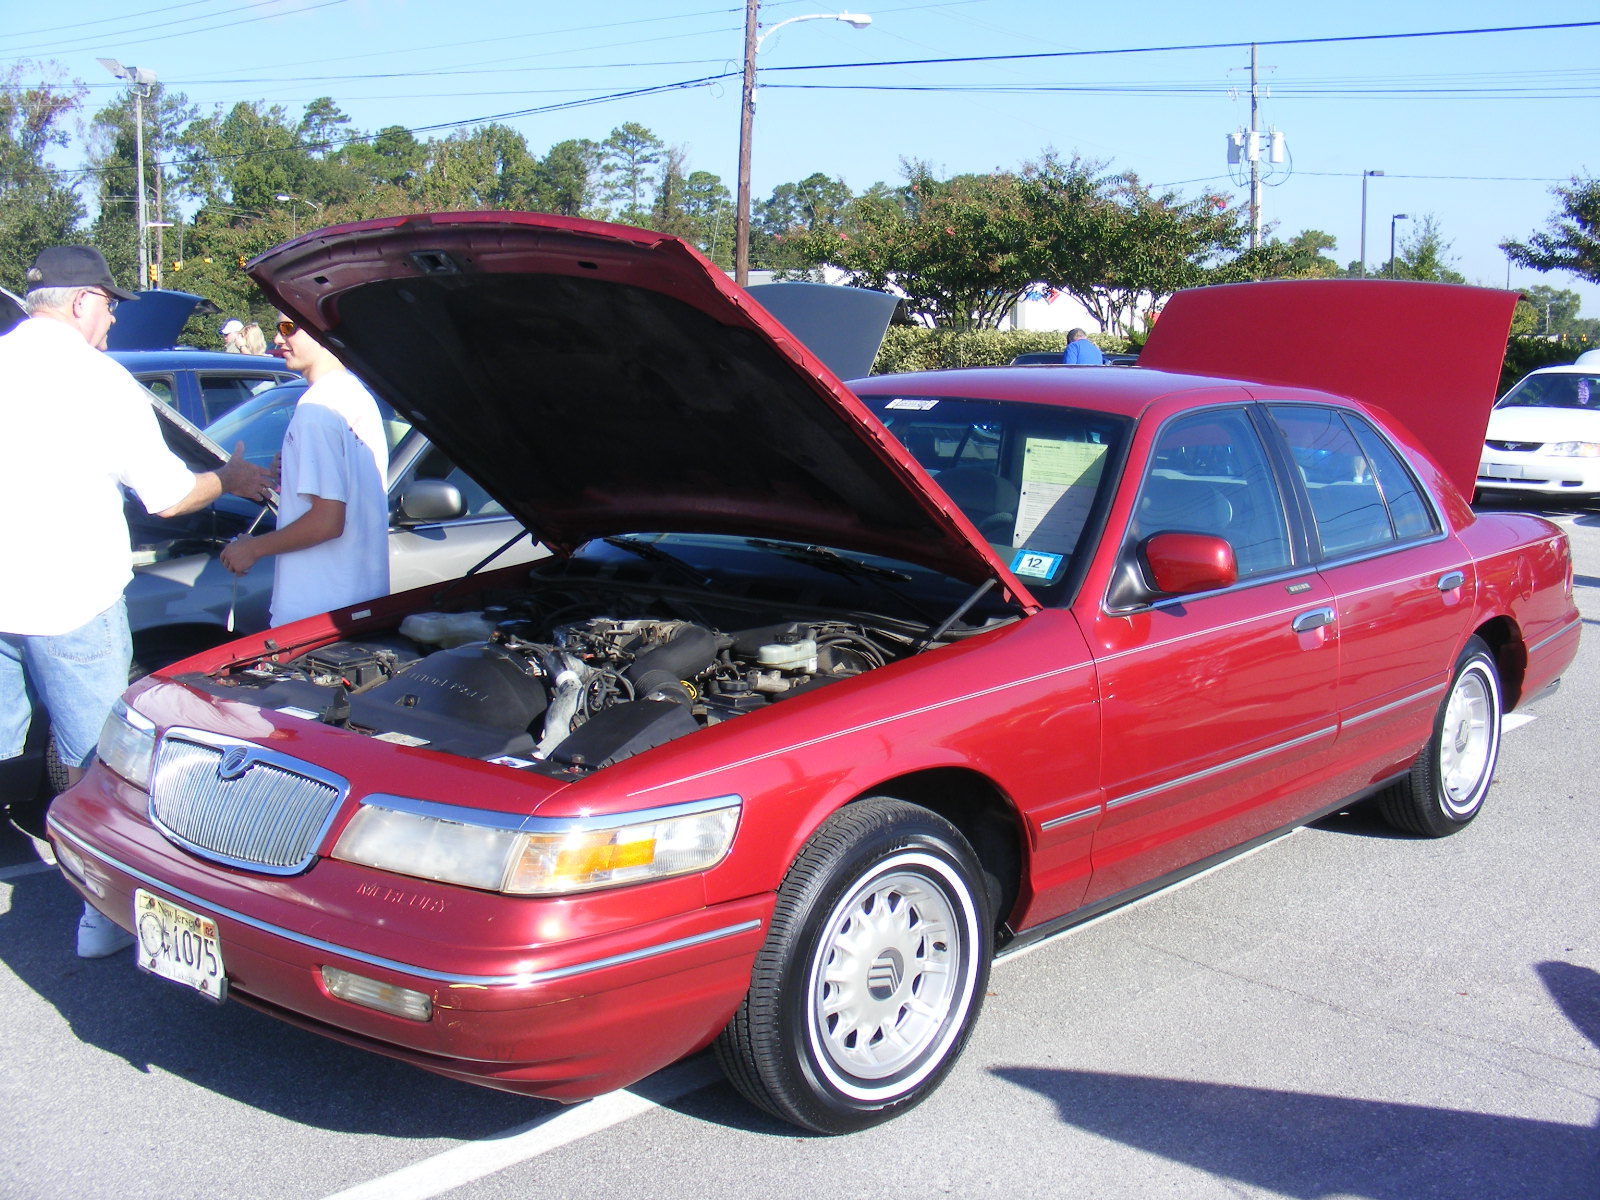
[(244, 478), (240, 554)]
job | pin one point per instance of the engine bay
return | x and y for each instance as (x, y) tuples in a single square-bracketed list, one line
[(541, 686)]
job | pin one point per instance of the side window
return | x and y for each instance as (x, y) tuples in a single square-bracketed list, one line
[(1209, 474), (1408, 508), (161, 385), (1340, 480)]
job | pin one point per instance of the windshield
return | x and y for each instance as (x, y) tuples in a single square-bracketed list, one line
[(261, 421), (1560, 389), (1035, 479)]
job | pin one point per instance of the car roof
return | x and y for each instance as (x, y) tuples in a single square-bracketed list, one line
[(1124, 391), (187, 358)]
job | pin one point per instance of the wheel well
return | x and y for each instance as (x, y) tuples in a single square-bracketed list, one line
[(1504, 639), (985, 818)]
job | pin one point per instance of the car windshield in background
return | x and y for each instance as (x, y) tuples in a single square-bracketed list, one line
[(261, 421), (1031, 477), (1556, 390)]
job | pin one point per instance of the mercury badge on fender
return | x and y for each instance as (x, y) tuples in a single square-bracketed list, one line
[(824, 696)]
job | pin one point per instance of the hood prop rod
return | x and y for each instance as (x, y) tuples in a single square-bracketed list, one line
[(933, 635)]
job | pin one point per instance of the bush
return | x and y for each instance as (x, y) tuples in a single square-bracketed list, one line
[(914, 348), (1524, 354)]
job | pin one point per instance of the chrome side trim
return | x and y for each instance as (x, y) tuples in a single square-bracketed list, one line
[(1560, 633), (526, 979), (1055, 822), (518, 823), (1384, 710), (1220, 768)]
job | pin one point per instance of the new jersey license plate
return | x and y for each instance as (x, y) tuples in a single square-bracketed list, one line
[(179, 945)]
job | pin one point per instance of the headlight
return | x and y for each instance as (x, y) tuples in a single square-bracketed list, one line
[(128, 744), (1574, 449), (530, 857)]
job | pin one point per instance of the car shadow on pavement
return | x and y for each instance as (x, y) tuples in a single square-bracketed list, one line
[(228, 1048), (1303, 1145)]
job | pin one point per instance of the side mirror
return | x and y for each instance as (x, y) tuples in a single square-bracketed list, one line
[(428, 500), (1181, 564)]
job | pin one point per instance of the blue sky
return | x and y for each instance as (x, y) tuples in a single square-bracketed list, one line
[(1473, 129)]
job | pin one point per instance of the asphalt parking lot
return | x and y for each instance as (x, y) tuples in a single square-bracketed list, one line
[(1342, 1013)]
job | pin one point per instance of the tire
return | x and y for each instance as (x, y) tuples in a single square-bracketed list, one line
[(883, 906), (1449, 781)]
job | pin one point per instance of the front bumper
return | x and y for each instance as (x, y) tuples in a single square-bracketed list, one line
[(1542, 473), (564, 998)]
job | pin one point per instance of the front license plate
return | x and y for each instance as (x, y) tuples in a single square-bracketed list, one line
[(1501, 470), (179, 945)]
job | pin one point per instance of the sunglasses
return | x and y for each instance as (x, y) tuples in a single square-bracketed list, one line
[(111, 301), (287, 328)]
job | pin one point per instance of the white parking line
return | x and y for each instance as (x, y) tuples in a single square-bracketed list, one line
[(443, 1172)]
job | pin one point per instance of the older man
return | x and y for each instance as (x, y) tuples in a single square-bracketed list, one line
[(78, 428)]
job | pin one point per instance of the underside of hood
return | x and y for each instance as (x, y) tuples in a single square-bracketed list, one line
[(1429, 353), (599, 379)]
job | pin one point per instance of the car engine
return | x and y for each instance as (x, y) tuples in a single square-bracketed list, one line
[(560, 699)]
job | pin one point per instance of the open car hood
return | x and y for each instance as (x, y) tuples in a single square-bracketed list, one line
[(152, 320), (1429, 353), (599, 379)]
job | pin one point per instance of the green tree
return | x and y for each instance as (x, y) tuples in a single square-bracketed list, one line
[(113, 160), (564, 179), (628, 162), (487, 167), (1423, 255), (37, 208), (1573, 241), (246, 158), (794, 209)]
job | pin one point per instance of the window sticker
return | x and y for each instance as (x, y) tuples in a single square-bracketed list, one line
[(1059, 480), (907, 404), (1036, 564)]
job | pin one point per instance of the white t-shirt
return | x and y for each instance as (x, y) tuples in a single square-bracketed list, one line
[(334, 448), (75, 428)]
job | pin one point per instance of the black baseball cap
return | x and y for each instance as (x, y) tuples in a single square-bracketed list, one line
[(73, 266)]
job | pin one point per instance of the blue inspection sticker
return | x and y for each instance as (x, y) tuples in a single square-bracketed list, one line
[(1036, 564)]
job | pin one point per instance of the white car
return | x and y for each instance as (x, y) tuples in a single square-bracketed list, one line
[(1544, 434)]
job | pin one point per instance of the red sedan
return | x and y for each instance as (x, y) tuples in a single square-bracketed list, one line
[(824, 696)]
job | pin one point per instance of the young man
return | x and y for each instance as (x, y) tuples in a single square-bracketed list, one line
[(332, 539), (79, 428)]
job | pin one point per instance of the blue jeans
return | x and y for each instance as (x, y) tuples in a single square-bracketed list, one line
[(78, 677)]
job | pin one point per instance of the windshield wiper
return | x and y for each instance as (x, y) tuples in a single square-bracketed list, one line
[(652, 553), (828, 558)]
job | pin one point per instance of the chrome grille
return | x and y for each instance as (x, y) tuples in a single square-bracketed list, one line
[(241, 804)]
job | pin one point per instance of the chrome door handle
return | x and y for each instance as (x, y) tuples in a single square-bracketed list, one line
[(1315, 619), (1451, 580)]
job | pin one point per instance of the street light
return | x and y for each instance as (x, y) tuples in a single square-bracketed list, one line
[(1365, 175), (747, 112), (141, 82), (289, 198), (1392, 220)]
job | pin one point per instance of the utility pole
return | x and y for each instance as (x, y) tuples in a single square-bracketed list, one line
[(1255, 156), (747, 115)]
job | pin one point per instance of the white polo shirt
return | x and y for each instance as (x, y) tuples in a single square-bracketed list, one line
[(334, 448), (75, 428)]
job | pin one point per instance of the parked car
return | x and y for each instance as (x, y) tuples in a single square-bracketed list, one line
[(791, 733), (203, 384), (1544, 435)]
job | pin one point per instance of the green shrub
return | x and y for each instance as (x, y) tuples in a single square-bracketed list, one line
[(1524, 354), (914, 348)]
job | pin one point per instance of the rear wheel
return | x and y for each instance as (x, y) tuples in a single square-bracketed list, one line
[(1447, 785), (872, 974)]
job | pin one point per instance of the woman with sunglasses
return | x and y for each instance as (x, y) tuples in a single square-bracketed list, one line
[(331, 546)]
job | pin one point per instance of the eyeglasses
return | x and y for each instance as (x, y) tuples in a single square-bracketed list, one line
[(287, 328), (111, 301)]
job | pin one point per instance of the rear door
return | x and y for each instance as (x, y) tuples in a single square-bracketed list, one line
[(1403, 587)]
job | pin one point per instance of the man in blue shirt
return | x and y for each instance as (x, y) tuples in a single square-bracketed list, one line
[(1081, 351)]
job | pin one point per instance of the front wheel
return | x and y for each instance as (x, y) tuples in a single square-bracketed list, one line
[(1447, 785), (872, 974)]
